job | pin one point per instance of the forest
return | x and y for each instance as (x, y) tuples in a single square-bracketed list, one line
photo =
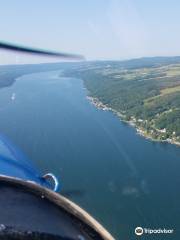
[(145, 92)]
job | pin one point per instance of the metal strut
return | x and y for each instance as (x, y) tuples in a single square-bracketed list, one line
[(52, 177)]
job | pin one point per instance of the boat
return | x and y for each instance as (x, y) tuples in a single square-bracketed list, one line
[(13, 96)]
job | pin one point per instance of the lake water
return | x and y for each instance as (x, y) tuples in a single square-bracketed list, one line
[(122, 179)]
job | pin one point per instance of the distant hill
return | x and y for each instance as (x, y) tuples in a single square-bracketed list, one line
[(9, 73)]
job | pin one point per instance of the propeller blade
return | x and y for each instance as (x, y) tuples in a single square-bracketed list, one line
[(29, 50)]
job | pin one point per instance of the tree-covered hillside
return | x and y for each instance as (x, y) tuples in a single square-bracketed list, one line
[(144, 91)]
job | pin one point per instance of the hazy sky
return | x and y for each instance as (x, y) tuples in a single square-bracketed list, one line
[(98, 29)]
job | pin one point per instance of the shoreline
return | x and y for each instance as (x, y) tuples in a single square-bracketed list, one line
[(139, 130)]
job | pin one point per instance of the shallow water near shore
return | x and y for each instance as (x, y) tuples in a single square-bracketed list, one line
[(121, 178)]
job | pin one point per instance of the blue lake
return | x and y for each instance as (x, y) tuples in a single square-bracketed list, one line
[(121, 178)]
